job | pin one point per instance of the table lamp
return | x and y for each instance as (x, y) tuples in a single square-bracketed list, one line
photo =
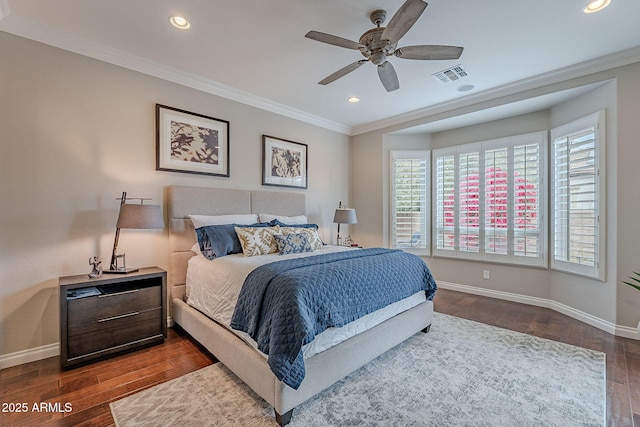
[(133, 215), (344, 215)]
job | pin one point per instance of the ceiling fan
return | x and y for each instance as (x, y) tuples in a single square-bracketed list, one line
[(379, 43)]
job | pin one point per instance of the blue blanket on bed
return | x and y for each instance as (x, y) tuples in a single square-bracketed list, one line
[(285, 304)]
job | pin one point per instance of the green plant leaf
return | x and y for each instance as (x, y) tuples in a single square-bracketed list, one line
[(635, 279), (632, 285)]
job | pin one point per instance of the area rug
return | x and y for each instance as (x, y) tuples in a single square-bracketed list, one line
[(462, 373)]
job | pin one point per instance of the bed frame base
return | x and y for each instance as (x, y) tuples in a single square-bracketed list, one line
[(284, 419), (322, 371)]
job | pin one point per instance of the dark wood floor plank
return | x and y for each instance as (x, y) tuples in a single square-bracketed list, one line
[(618, 407), (633, 369), (91, 388)]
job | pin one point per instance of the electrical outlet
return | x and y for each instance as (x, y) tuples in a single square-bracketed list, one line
[(486, 274)]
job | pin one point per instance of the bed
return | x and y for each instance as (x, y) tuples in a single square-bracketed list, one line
[(323, 368)]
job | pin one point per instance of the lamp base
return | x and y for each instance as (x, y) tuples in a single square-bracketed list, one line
[(121, 271)]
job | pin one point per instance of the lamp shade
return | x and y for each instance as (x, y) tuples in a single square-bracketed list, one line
[(345, 216), (140, 216)]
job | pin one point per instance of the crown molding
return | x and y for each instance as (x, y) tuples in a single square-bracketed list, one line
[(20, 27), (604, 63)]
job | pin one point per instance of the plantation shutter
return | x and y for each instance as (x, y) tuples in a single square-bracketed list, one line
[(578, 196), (409, 200), (527, 212), (469, 202), (496, 202), (489, 200), (445, 203)]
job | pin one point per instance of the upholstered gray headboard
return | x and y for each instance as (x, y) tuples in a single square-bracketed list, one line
[(184, 201)]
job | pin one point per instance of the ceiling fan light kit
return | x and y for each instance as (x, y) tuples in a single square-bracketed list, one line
[(379, 43), (596, 6), (180, 22)]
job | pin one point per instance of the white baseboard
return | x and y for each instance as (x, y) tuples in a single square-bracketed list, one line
[(39, 353), (29, 355), (51, 350), (589, 319)]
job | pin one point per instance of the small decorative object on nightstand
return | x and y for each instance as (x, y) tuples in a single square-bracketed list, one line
[(109, 315), (97, 267)]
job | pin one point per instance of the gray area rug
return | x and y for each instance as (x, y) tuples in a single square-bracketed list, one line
[(462, 373)]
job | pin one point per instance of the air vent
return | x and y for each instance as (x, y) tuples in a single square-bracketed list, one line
[(451, 74)]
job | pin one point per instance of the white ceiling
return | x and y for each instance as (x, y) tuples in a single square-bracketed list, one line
[(254, 51)]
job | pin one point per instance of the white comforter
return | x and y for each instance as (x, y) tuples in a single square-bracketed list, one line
[(213, 288)]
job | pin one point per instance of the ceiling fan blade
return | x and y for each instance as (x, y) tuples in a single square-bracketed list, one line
[(342, 72), (403, 20), (333, 40), (428, 52), (388, 76)]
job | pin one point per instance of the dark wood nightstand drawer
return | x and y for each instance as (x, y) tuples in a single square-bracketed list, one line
[(106, 333), (123, 301), (112, 314)]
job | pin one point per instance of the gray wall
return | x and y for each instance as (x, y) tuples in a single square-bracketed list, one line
[(75, 133), (610, 301)]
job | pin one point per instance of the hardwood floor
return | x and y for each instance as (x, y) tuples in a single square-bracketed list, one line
[(91, 388)]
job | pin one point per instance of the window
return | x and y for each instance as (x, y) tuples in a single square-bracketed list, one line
[(410, 200), (578, 196), (489, 200)]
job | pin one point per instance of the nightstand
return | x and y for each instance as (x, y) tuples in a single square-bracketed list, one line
[(111, 314)]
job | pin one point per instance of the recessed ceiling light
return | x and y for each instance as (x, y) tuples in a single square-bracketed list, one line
[(353, 99), (179, 22), (465, 88), (596, 6)]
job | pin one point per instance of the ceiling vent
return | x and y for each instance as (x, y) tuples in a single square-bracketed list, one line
[(451, 74)]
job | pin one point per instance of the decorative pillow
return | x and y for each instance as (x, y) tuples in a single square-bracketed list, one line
[(299, 219), (258, 240), (203, 220), (216, 241), (294, 243), (205, 244), (312, 235)]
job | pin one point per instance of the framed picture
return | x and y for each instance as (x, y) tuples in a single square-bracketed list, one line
[(191, 143), (284, 163)]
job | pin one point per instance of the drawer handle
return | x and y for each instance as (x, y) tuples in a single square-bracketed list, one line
[(107, 319), (118, 293)]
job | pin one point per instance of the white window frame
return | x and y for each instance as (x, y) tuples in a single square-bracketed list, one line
[(424, 247), (541, 260), (597, 122)]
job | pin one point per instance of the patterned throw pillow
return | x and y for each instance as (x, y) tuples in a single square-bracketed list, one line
[(312, 234), (292, 243), (258, 240)]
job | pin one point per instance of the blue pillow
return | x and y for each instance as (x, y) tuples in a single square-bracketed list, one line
[(205, 244), (220, 240), (275, 222), (293, 243)]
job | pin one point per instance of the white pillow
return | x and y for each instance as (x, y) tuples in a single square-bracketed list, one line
[(196, 248), (300, 219), (203, 220)]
